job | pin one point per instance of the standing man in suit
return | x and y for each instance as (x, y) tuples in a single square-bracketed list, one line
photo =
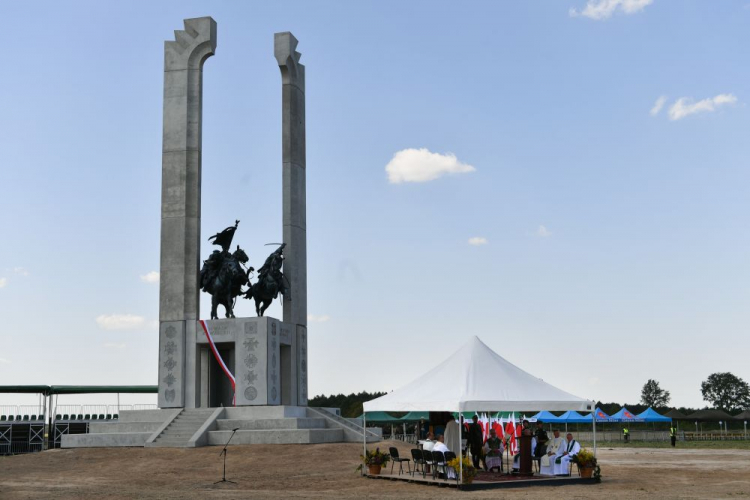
[(476, 441)]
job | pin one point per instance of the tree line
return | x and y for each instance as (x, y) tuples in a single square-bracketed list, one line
[(724, 391)]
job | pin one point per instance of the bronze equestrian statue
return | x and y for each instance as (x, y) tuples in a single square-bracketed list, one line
[(271, 282), (224, 274)]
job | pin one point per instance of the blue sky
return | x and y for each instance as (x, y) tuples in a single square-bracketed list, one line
[(616, 237)]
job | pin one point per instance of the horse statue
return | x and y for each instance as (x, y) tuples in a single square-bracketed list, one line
[(223, 276), (271, 282)]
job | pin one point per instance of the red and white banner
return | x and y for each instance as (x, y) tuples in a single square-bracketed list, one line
[(223, 365)]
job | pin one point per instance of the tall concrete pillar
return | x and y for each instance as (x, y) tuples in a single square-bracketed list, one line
[(181, 206), (294, 197)]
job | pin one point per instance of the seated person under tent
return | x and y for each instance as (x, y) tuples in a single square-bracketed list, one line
[(569, 449), (555, 448)]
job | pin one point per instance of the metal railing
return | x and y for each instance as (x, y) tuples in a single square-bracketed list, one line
[(407, 438), (95, 411)]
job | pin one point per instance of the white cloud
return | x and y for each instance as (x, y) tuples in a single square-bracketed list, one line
[(120, 321), (3, 282), (312, 318), (20, 271), (420, 165), (658, 105), (4, 361), (112, 345), (684, 106), (604, 9), (478, 240), (543, 231), (152, 277), (593, 380)]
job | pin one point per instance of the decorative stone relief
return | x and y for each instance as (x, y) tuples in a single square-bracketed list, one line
[(171, 364), (251, 393)]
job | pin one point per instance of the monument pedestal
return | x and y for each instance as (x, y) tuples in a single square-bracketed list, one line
[(267, 357)]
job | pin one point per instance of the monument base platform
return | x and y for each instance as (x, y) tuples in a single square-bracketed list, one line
[(187, 428)]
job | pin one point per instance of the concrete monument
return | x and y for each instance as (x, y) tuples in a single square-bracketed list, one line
[(267, 357), (219, 376)]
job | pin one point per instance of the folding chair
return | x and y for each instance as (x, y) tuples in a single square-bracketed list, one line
[(395, 458), (438, 458), (416, 456), (428, 462)]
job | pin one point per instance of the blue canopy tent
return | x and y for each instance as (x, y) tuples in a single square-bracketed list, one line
[(573, 417), (650, 415), (625, 416), (600, 417), (546, 417)]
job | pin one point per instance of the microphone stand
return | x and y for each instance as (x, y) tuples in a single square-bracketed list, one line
[(224, 452)]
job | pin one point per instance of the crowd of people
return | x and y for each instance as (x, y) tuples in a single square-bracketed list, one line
[(486, 448)]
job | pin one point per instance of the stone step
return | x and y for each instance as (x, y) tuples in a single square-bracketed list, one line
[(277, 436), (145, 415), (178, 435), (114, 427), (271, 423), (172, 439), (105, 440), (261, 412)]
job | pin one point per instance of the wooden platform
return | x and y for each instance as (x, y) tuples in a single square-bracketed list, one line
[(485, 480)]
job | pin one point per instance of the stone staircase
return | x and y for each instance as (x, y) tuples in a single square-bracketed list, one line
[(272, 425), (133, 428), (182, 428)]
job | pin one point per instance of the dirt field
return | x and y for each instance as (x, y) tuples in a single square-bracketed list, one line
[(327, 471)]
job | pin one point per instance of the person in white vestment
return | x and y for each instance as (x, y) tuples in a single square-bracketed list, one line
[(451, 435), (440, 446), (428, 443), (555, 447), (570, 449), (493, 457)]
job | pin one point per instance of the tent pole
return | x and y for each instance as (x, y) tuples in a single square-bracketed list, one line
[(593, 421), (364, 434), (460, 448)]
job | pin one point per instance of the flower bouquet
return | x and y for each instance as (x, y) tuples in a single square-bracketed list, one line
[(468, 469), (374, 460)]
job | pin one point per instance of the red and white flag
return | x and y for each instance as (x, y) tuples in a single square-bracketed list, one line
[(510, 431)]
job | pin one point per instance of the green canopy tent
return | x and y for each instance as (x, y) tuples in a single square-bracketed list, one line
[(416, 416), (381, 417)]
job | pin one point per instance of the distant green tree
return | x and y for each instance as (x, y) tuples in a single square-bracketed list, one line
[(726, 391), (350, 405), (653, 395)]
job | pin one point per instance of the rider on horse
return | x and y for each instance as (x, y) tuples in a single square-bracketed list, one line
[(270, 274)]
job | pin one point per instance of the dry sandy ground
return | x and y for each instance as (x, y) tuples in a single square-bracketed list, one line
[(327, 471)]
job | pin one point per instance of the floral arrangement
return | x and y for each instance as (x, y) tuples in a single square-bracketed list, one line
[(375, 457), (584, 458), (468, 469)]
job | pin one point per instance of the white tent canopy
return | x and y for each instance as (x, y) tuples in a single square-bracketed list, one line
[(475, 378)]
